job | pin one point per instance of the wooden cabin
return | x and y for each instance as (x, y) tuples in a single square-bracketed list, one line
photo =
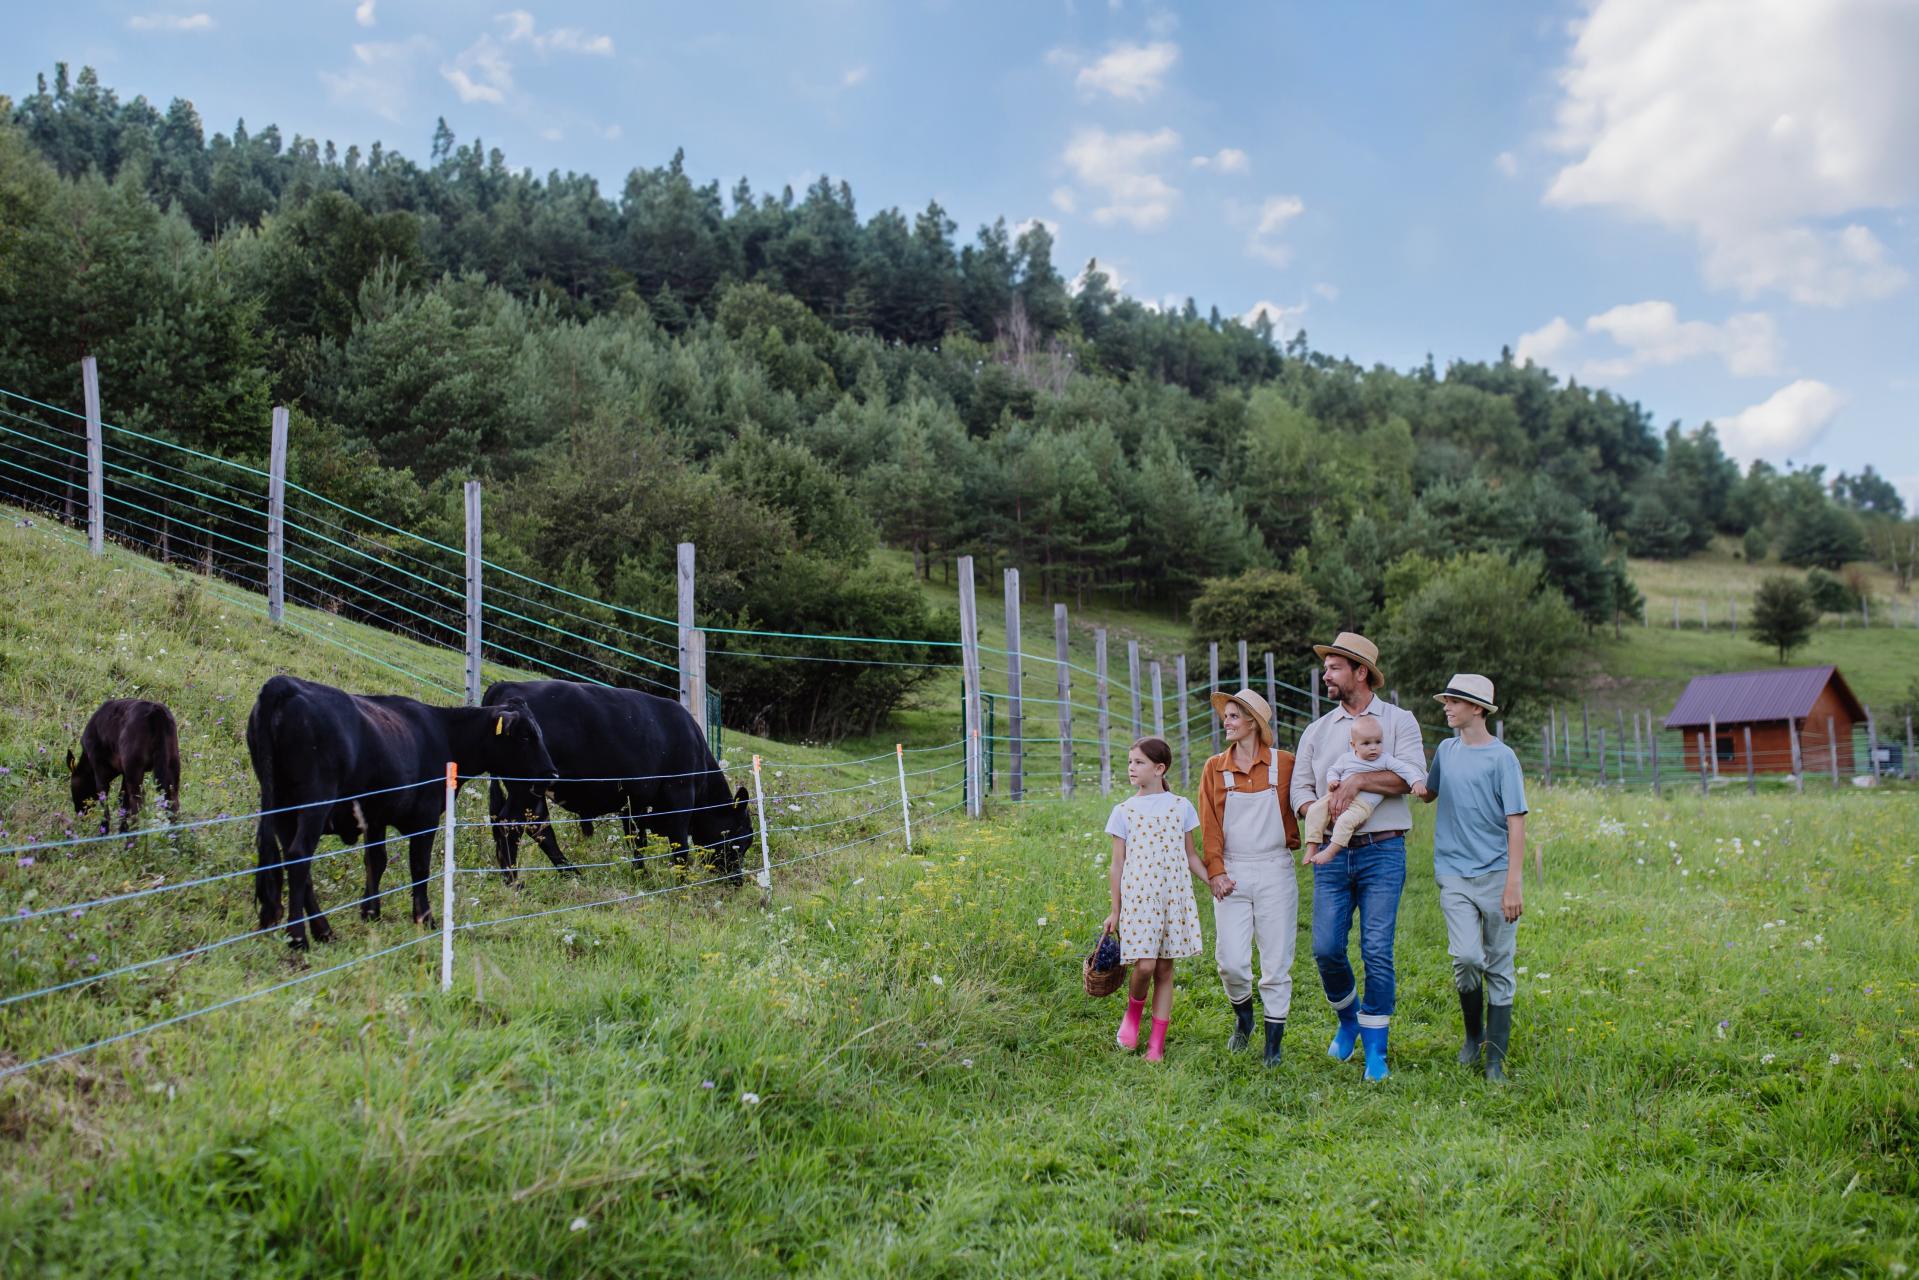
[(1814, 700)]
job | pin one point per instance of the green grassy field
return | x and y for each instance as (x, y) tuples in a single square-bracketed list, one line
[(890, 1069)]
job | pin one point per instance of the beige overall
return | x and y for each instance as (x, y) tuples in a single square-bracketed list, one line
[(1264, 903)]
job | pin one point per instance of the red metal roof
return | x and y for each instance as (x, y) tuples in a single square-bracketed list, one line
[(1745, 697)]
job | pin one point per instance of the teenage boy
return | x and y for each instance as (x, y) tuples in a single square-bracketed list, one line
[(1479, 855)]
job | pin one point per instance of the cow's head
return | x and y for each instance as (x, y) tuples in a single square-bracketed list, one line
[(515, 749), (727, 829), (81, 782)]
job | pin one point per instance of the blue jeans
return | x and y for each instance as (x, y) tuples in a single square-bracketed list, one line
[(1367, 879)]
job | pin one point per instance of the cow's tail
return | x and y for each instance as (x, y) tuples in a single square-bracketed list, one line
[(163, 730), (260, 721)]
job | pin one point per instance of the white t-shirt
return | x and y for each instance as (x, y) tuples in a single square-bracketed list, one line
[(1153, 806)]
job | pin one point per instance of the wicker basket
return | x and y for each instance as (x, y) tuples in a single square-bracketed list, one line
[(1101, 982)]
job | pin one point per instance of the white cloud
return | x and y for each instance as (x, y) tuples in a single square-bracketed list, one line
[(1274, 214), (1020, 229), (1119, 165), (1064, 200), (1786, 422), (1134, 72), (1748, 125), (1226, 160), (1285, 319), (1115, 279), (553, 135), (481, 72), (379, 77), (853, 78), (1650, 334), (1327, 291), (521, 28), (1507, 163), (1545, 342), (171, 22), (363, 13)]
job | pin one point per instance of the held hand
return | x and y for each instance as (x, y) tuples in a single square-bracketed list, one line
[(1423, 792), (1341, 795), (1510, 904), (1111, 923), (1222, 885)]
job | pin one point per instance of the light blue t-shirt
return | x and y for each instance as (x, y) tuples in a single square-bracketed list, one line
[(1478, 789)]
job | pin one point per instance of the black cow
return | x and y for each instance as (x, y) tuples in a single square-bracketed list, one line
[(620, 751), (313, 743), (127, 738)]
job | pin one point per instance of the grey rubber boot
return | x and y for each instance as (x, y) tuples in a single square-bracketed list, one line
[(1472, 1008), (1275, 1034), (1242, 1026), (1499, 1034)]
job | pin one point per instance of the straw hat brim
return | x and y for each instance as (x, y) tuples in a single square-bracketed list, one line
[(1260, 722), (1375, 678), (1492, 708)]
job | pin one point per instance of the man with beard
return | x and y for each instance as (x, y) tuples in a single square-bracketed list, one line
[(1368, 874)]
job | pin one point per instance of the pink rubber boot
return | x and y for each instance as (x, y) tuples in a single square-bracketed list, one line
[(1156, 1044), (1129, 1025)]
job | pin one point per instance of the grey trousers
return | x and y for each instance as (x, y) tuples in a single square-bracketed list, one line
[(1478, 935)]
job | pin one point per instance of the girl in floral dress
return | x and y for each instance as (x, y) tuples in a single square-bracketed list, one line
[(1153, 904)]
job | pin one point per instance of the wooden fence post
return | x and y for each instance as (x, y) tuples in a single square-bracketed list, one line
[(1546, 752), (1159, 706), (1183, 709), (1245, 668), (1832, 748), (1015, 709), (1132, 678), (969, 658), (1872, 743), (1315, 687), (473, 557), (1105, 713), (1907, 771), (1798, 762), (1272, 696), (1657, 788), (277, 515), (1602, 755), (696, 679), (1065, 703), (1705, 776), (1712, 731), (1499, 730), (1212, 686), (96, 466), (1752, 781), (1586, 729), (685, 584)]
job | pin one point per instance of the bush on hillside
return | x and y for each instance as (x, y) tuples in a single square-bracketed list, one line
[(1829, 594), (1756, 546)]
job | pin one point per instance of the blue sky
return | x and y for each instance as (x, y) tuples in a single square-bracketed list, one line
[(1707, 205)]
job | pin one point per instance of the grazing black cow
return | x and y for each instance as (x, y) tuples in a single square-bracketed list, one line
[(623, 752), (127, 738), (313, 745)]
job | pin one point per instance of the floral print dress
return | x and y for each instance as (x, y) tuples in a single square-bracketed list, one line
[(1158, 914)]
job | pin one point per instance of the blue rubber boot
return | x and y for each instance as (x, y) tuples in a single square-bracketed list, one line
[(1341, 1049), (1374, 1040)]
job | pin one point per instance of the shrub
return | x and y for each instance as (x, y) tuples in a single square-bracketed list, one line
[(1783, 614)]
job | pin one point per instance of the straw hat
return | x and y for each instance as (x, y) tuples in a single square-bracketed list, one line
[(1357, 648), (1477, 690), (1253, 705)]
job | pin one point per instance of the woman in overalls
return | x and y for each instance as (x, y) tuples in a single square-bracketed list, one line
[(1247, 834)]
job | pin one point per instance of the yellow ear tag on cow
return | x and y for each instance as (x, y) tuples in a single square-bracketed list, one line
[(499, 726)]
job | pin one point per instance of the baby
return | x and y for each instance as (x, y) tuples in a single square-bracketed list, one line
[(1367, 755)]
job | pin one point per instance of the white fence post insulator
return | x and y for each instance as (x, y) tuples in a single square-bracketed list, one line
[(1159, 702), (96, 468), (906, 806), (1832, 748), (277, 516), (1065, 703), (1212, 686), (766, 850), (1015, 688), (969, 657), (696, 679), (685, 592), (1132, 678), (1798, 761), (1105, 712), (1752, 781), (473, 593), (1183, 710), (446, 881)]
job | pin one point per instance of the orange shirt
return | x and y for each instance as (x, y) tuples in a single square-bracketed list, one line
[(1212, 800)]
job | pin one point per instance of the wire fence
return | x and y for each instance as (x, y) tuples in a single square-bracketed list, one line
[(800, 821)]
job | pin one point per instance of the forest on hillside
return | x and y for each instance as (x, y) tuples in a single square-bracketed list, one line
[(793, 385)]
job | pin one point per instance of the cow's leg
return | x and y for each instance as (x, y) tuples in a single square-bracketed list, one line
[(274, 832), (635, 832), (506, 836), (375, 868), (131, 798), (302, 907), (419, 865), (550, 844), (104, 776)]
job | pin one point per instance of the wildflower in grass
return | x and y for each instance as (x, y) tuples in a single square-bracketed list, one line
[(967, 1063), (1832, 1059), (749, 1099), (26, 860), (579, 1224), (938, 981), (706, 1084), (1765, 1059)]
